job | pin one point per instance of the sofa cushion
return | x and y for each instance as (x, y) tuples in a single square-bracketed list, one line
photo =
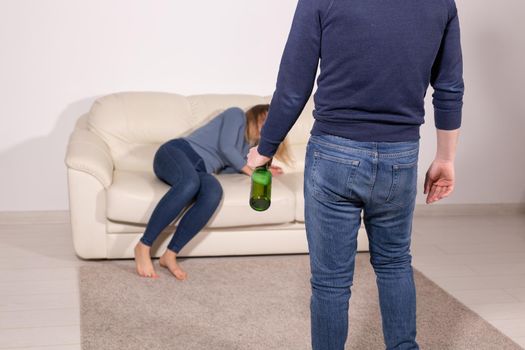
[(133, 195), (294, 181)]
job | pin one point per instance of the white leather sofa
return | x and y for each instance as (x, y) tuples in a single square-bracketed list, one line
[(113, 190)]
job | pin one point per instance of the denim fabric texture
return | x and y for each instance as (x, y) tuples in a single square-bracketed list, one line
[(343, 177), (178, 165)]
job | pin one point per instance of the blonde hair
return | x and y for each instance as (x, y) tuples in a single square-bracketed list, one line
[(252, 135)]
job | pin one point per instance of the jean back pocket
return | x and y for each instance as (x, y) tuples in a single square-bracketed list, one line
[(333, 176), (404, 184)]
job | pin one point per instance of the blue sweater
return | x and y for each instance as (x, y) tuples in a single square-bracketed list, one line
[(221, 142), (377, 59)]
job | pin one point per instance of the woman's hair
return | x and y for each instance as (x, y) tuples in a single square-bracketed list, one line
[(252, 135)]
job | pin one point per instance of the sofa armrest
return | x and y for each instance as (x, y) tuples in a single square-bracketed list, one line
[(89, 153)]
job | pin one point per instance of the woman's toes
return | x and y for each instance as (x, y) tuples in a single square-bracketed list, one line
[(179, 274), (174, 268), (169, 261), (143, 261)]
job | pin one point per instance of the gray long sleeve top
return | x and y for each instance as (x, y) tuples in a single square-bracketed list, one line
[(221, 142)]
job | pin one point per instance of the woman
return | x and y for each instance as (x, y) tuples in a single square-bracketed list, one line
[(186, 164)]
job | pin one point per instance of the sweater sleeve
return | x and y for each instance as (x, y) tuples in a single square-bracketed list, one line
[(230, 126), (228, 170), (295, 80), (447, 77)]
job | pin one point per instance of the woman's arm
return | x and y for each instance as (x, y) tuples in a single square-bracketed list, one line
[(228, 134), (247, 170)]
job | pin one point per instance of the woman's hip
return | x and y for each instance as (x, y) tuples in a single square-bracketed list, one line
[(176, 149)]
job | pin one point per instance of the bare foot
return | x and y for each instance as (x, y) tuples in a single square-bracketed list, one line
[(143, 261), (168, 260)]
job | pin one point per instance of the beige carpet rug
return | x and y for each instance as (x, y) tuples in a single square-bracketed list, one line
[(255, 302)]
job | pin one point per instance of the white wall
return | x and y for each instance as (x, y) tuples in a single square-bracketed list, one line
[(57, 56)]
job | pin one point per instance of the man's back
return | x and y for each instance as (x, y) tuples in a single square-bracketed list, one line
[(377, 59)]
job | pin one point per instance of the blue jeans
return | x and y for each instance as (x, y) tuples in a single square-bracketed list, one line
[(177, 164), (341, 178)]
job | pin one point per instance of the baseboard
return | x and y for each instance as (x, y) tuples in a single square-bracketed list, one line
[(34, 216), (435, 209)]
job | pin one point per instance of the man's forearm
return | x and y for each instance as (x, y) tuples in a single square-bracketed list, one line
[(446, 144)]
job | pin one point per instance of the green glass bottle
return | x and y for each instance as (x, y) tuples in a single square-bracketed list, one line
[(261, 190)]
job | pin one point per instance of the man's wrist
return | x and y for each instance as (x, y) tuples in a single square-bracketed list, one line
[(443, 160), (266, 148)]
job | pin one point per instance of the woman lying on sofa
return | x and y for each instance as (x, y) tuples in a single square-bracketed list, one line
[(186, 164)]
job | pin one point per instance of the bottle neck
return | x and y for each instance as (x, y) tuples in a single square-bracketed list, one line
[(265, 165)]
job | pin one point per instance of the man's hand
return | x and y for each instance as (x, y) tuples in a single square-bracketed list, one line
[(439, 180), (276, 170), (255, 159)]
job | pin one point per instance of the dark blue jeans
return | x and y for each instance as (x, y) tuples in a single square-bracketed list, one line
[(343, 177), (178, 165)]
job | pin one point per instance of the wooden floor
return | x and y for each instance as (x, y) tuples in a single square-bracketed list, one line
[(480, 259)]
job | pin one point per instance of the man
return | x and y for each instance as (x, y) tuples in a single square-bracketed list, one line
[(377, 59)]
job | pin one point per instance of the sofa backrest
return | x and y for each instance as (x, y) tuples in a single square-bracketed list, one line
[(134, 124)]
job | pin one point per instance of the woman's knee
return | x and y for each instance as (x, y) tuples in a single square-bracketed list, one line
[(211, 188), (218, 193), (189, 184)]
